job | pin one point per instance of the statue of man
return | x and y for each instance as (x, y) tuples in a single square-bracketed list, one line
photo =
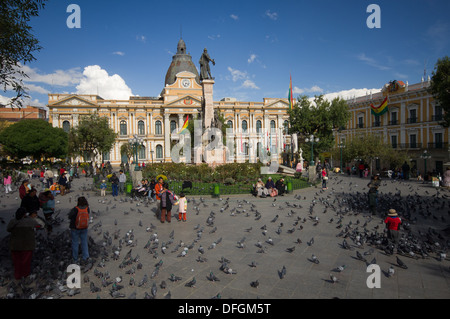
[(205, 72)]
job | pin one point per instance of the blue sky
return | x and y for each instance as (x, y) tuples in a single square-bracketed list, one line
[(126, 47)]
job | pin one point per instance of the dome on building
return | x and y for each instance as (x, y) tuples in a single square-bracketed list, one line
[(180, 62)]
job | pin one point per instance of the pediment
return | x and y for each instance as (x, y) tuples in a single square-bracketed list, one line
[(279, 103), (187, 100), (74, 101)]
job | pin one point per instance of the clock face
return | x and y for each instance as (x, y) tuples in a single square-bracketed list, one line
[(185, 83)]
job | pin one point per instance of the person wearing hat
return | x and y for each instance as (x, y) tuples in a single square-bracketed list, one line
[(281, 187), (270, 185), (22, 241), (393, 223)]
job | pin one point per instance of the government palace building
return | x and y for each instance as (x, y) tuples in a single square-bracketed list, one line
[(410, 121), (155, 119)]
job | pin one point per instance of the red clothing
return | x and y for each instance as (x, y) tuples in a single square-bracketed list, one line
[(158, 189), (393, 222)]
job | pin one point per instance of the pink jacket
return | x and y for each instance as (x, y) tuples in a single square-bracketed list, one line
[(7, 180)]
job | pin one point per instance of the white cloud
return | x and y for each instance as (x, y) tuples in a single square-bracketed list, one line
[(349, 94), (252, 58), (272, 15), (36, 88), (372, 62), (237, 75), (249, 84), (214, 37), (119, 53), (95, 79), (313, 89), (234, 17), (58, 77), (141, 38)]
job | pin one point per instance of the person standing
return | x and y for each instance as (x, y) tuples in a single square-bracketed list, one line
[(324, 178), (22, 241), (62, 181), (182, 207), (31, 202), (122, 180), (48, 175), (393, 223), (79, 219), (167, 200), (114, 184), (103, 188), (7, 180)]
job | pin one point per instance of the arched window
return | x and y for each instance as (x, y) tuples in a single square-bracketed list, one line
[(123, 127), (272, 125), (141, 128), (230, 123), (258, 149), (258, 126), (245, 150), (141, 152), (159, 151), (244, 126), (158, 128), (66, 126), (286, 127), (173, 126)]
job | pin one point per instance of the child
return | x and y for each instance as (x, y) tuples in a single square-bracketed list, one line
[(103, 188), (7, 182), (182, 207)]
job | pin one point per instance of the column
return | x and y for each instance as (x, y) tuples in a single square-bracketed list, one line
[(166, 136)]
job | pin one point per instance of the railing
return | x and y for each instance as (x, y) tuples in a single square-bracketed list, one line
[(393, 122), (412, 120), (438, 145)]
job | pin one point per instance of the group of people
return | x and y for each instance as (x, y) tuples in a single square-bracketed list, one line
[(270, 188), (167, 199)]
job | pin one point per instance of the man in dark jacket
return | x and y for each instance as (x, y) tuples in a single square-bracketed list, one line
[(31, 202)]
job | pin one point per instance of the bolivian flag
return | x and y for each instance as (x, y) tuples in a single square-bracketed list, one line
[(290, 97), (185, 126), (380, 110)]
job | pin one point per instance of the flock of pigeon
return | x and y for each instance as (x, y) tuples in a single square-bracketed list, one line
[(134, 256)]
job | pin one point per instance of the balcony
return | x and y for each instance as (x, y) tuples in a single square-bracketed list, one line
[(376, 124), (360, 125), (407, 146), (439, 117), (393, 122), (438, 145), (412, 120)]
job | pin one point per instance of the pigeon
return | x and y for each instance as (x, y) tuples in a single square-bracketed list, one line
[(359, 256), (212, 277), (174, 278), (391, 271), (314, 259), (143, 281), (310, 242), (191, 283), (341, 268), (282, 272), (401, 263), (254, 284), (333, 278), (291, 249)]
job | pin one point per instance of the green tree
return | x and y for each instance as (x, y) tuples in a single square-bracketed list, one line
[(440, 87), (91, 137), (36, 138), (319, 118), (127, 150), (17, 44)]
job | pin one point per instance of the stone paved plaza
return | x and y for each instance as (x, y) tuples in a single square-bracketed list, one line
[(308, 222)]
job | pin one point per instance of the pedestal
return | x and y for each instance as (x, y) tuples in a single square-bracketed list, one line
[(208, 111)]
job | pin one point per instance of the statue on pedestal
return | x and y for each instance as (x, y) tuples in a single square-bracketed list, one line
[(205, 72)]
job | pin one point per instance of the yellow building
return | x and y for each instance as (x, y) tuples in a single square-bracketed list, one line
[(411, 123), (156, 119)]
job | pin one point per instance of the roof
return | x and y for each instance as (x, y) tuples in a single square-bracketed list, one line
[(181, 61)]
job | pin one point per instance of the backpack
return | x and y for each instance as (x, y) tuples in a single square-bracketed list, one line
[(82, 219)]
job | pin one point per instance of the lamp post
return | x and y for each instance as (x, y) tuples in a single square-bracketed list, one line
[(135, 142), (341, 146), (425, 157), (311, 139)]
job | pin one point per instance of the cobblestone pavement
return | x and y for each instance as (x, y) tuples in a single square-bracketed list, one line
[(288, 229)]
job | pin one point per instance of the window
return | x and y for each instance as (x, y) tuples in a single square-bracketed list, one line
[(412, 116), (66, 126), (141, 152), (123, 128), (377, 122), (286, 127), (244, 126), (438, 140), (173, 126), (141, 128), (360, 122), (437, 113), (258, 149), (258, 126), (245, 150), (393, 118), (394, 141), (159, 151), (413, 141), (230, 123), (106, 156), (158, 128), (272, 125)]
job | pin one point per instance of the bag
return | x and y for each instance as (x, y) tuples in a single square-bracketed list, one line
[(176, 200), (82, 219)]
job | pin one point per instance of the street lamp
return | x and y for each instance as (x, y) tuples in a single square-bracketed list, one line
[(341, 146), (425, 157), (312, 140), (135, 142)]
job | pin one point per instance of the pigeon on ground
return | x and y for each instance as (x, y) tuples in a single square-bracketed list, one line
[(191, 283)]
